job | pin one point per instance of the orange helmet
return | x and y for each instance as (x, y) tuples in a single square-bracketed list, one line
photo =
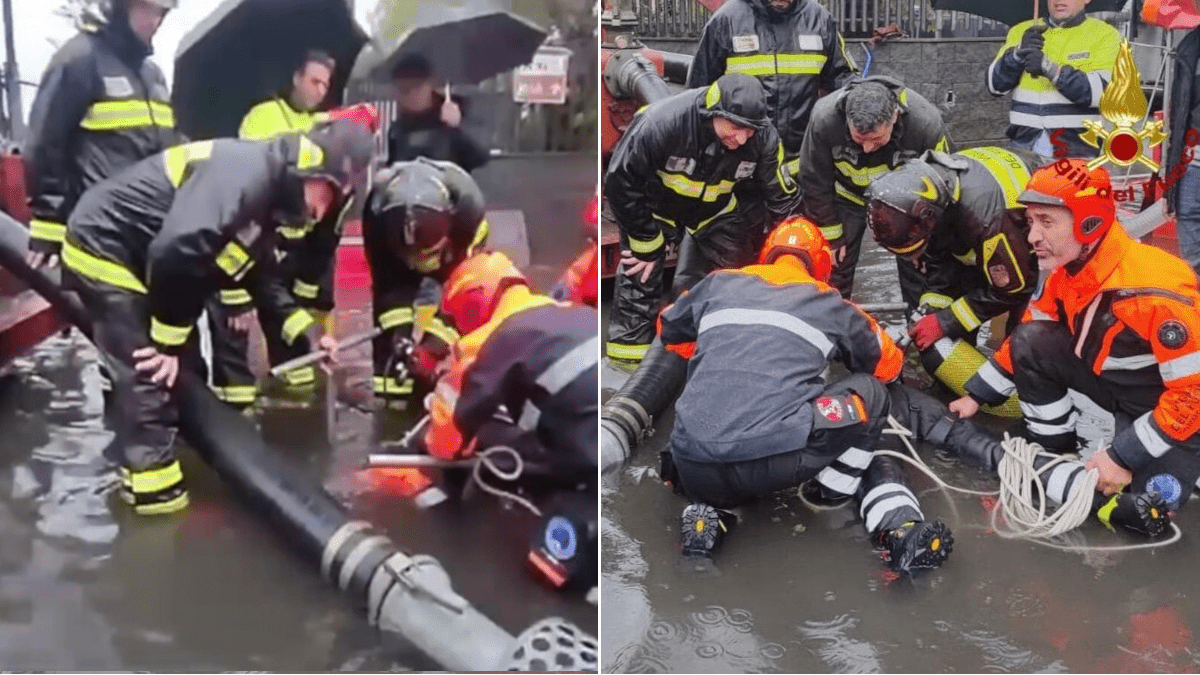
[(474, 289), (1086, 192), (799, 237)]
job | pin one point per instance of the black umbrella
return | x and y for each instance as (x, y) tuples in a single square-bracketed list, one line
[(1012, 12), (245, 52), (469, 49)]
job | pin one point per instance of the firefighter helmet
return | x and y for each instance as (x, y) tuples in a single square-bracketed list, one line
[(799, 237), (905, 207), (95, 13), (339, 151), (1087, 193), (432, 213), (475, 287)]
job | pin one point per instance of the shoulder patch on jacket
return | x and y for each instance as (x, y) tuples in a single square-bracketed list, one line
[(745, 43), (745, 169), (1078, 55), (1000, 265), (1172, 334), (810, 42), (118, 87), (681, 164)]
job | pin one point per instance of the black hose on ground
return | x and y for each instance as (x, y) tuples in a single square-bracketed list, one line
[(627, 417)]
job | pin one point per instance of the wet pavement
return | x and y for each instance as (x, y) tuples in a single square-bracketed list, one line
[(800, 591), (85, 585)]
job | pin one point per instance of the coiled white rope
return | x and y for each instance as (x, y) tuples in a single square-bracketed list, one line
[(1018, 482), (486, 459)]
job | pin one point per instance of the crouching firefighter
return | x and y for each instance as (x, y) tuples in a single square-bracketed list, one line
[(524, 376), (962, 242), (705, 163), (146, 249), (755, 416), (421, 219), (1116, 322)]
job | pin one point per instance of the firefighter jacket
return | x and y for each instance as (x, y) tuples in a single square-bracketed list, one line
[(102, 106), (796, 52), (1086, 49), (274, 117), (1133, 311), (1183, 132), (186, 223), (670, 172), (395, 287), (305, 252), (537, 358), (982, 233), (757, 340), (832, 165)]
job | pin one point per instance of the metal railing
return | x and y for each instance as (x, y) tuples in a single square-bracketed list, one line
[(855, 19)]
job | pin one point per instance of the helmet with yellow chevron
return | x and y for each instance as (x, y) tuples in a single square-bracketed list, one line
[(905, 206)]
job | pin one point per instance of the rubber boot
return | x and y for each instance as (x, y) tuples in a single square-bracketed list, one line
[(1144, 512), (816, 497), (931, 420), (916, 545), (703, 529)]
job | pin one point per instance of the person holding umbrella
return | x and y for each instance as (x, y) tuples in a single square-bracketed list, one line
[(1056, 71), (429, 123), (102, 105)]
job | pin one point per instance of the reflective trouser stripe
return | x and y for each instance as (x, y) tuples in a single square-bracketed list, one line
[(167, 334), (235, 297), (395, 317), (616, 350), (882, 500), (305, 290), (295, 325), (300, 376), (389, 386)]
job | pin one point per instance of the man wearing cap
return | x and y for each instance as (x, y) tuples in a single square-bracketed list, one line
[(429, 123), (686, 169)]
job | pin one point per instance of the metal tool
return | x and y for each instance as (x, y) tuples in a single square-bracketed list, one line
[(313, 357)]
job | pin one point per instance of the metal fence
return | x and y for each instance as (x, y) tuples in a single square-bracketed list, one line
[(855, 18)]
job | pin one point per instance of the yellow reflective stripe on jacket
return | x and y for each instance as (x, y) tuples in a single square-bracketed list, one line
[(845, 193), (233, 259), (1008, 170), (860, 177), (166, 334), (302, 289), (729, 208), (965, 315), (130, 114), (682, 185), (481, 236), (292, 232), (235, 296), (935, 300), (296, 324), (177, 159), (85, 264), (758, 65), (241, 394), (650, 246), (440, 330), (47, 230), (785, 181), (395, 317), (832, 231)]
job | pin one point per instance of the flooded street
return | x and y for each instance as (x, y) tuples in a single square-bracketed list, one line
[(800, 591), (85, 585)]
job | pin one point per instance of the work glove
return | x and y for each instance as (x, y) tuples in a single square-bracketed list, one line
[(1034, 40), (1037, 64), (926, 332)]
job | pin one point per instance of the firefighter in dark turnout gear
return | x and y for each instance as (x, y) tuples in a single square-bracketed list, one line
[(422, 218), (1056, 70), (102, 105), (863, 130), (955, 219), (148, 247), (705, 163), (792, 46), (1115, 321), (755, 416)]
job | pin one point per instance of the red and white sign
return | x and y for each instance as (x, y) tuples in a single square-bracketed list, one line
[(544, 80)]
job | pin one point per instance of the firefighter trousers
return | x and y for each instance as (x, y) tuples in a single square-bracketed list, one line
[(837, 453), (232, 379), (144, 419), (1047, 374), (399, 324), (846, 248), (731, 241)]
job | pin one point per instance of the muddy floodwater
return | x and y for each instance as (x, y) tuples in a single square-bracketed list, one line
[(85, 585), (800, 591)]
